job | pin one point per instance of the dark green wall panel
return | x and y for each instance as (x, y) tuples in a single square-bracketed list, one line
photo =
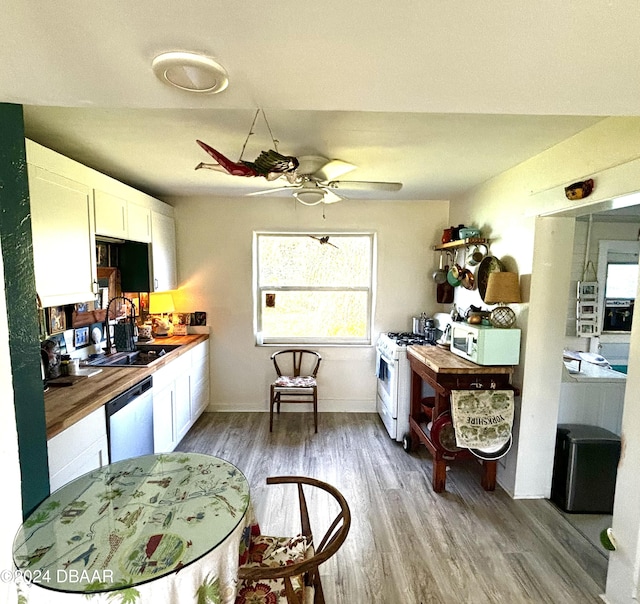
[(22, 316)]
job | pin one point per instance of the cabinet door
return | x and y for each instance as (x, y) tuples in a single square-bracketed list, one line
[(164, 420), (78, 449), (63, 244), (111, 215), (183, 409), (199, 380), (163, 252), (139, 220)]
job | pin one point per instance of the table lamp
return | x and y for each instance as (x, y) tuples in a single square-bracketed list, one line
[(161, 303), (502, 288)]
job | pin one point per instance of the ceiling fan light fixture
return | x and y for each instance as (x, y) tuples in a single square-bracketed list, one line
[(190, 71), (309, 197)]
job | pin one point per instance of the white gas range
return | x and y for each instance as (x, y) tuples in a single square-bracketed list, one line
[(394, 379)]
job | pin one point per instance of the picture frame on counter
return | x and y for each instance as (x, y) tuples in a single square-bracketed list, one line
[(57, 319), (199, 318), (81, 337)]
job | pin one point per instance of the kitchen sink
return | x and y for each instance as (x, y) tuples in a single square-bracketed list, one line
[(157, 348), (144, 355)]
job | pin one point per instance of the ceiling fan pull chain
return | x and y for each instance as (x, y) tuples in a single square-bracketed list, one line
[(246, 140)]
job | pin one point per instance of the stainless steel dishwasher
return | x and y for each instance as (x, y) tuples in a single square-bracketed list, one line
[(130, 422)]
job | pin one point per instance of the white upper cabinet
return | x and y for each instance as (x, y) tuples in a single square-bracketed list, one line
[(63, 243), (111, 215), (163, 252), (139, 222), (120, 218)]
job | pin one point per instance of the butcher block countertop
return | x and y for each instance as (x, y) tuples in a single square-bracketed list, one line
[(65, 405), (442, 360)]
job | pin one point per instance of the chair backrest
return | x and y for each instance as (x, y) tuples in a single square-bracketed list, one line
[(324, 548), (296, 362)]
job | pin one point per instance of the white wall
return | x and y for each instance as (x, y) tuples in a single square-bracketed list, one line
[(214, 239), (609, 153), (11, 498)]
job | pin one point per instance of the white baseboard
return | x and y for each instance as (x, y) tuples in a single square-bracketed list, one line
[(324, 406)]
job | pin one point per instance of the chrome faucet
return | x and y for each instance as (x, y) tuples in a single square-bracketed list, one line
[(110, 348)]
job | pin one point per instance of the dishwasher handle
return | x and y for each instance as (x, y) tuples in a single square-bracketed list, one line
[(123, 399)]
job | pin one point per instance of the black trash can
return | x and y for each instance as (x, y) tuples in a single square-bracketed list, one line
[(585, 468)]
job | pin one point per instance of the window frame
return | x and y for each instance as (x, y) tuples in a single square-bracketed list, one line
[(259, 290)]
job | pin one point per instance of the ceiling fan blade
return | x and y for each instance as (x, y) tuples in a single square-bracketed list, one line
[(361, 185), (275, 190), (333, 169), (332, 197)]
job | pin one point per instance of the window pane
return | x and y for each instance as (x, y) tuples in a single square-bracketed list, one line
[(324, 314), (301, 260), (622, 281)]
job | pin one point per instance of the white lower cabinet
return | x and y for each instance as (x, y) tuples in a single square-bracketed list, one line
[(199, 380), (180, 395), (78, 449), (182, 387), (165, 438)]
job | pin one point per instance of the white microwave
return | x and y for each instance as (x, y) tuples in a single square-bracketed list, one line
[(485, 345)]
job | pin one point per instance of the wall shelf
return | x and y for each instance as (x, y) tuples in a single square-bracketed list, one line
[(458, 243)]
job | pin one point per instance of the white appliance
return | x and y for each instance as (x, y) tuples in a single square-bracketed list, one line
[(394, 380), (485, 345), (130, 422)]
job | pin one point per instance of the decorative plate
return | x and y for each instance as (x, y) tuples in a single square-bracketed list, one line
[(495, 452), (443, 435)]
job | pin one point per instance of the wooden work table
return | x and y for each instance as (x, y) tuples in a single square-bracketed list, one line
[(65, 405), (444, 371)]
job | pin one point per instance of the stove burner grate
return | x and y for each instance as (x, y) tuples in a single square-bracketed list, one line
[(406, 338)]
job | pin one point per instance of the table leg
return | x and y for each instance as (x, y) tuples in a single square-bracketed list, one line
[(439, 477), (489, 475)]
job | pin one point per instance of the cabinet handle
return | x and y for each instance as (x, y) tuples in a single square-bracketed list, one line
[(155, 284)]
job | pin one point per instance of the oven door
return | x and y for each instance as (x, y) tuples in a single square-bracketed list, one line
[(387, 392)]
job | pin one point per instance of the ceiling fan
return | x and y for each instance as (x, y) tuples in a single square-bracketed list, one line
[(315, 181)]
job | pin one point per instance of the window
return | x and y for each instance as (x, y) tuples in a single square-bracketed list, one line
[(313, 289), (622, 280)]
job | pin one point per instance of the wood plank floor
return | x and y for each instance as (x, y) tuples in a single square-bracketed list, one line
[(407, 545)]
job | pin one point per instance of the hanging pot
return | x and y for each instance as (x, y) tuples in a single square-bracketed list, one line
[(440, 276), (453, 276), (468, 281)]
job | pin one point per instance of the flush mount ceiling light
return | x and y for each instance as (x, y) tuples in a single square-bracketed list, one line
[(190, 71)]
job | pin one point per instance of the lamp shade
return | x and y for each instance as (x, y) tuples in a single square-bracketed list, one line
[(502, 288), (160, 303)]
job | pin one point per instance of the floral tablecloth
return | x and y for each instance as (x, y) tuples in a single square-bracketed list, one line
[(158, 529)]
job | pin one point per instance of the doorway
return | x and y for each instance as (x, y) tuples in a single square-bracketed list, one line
[(622, 580)]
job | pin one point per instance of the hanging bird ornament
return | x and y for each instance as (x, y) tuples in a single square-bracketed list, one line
[(269, 164), (323, 240)]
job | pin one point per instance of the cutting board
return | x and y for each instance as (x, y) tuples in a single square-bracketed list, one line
[(444, 291)]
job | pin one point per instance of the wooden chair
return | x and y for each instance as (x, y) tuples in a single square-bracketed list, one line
[(288, 567), (297, 370)]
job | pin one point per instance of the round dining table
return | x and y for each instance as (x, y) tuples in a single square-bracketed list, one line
[(166, 528)]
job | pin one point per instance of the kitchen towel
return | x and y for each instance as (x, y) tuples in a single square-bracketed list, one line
[(381, 369), (482, 418)]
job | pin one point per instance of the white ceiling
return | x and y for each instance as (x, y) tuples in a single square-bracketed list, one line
[(440, 96)]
